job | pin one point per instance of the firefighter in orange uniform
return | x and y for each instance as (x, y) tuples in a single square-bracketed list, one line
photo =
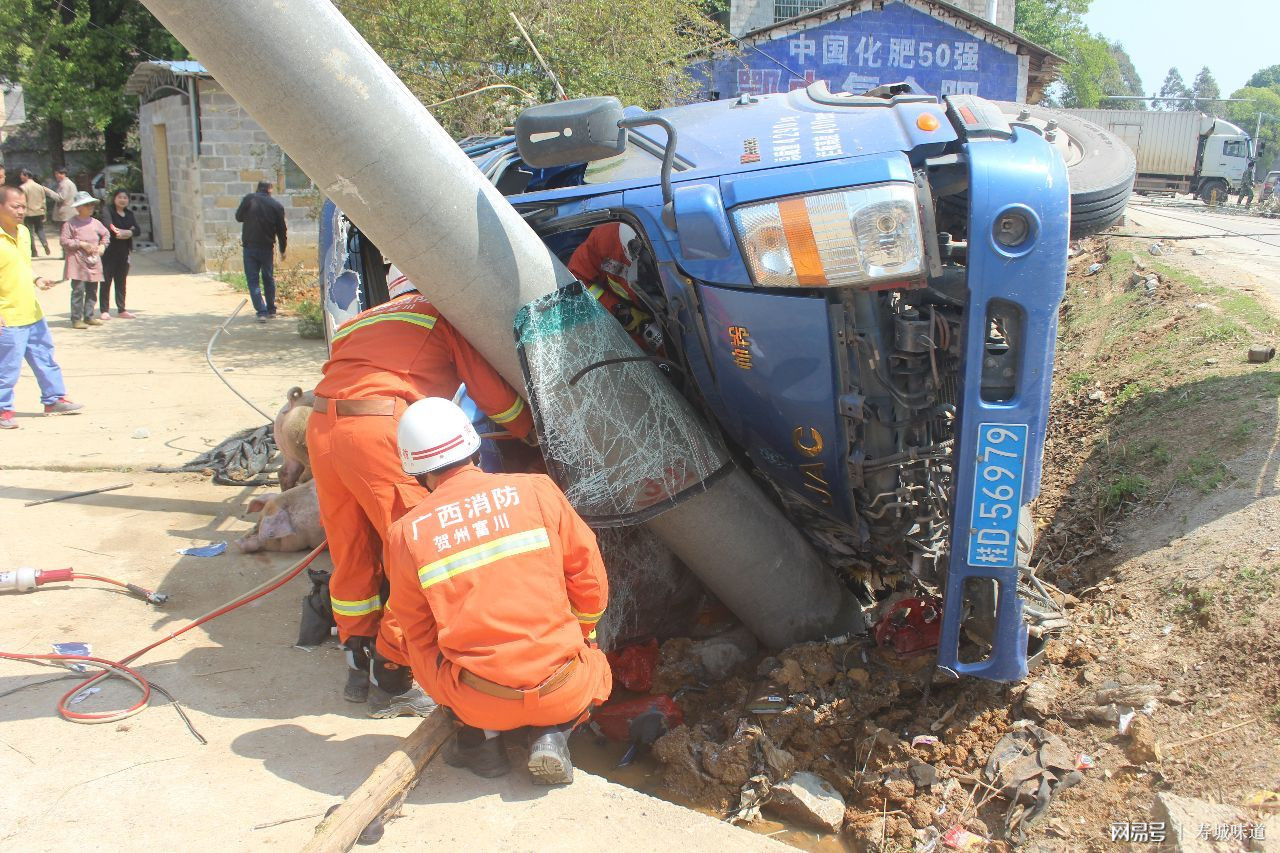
[(498, 586), (381, 361), (606, 263)]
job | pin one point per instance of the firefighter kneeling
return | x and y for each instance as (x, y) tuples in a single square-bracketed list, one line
[(498, 585)]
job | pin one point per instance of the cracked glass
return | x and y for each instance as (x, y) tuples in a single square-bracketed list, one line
[(618, 438)]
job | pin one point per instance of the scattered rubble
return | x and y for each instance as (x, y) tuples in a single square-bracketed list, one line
[(808, 800), (1183, 818), (1143, 747), (1261, 353)]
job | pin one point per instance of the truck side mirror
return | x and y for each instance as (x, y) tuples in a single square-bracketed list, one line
[(568, 132)]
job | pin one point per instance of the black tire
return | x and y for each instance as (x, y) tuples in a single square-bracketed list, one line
[(1208, 188), (1100, 166)]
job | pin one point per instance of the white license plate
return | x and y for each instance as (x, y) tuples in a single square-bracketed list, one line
[(997, 495)]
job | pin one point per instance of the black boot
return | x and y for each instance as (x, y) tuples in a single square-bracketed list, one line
[(482, 756), (357, 686), (549, 758)]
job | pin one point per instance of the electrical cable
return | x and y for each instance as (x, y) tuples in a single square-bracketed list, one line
[(208, 357), (121, 668), (1226, 231)]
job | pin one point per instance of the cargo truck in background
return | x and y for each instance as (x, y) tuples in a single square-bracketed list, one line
[(1180, 152)]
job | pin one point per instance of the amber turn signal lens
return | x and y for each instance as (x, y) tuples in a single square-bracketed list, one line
[(927, 122)]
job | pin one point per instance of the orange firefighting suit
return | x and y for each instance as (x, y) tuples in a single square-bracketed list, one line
[(397, 353), (497, 576), (600, 262)]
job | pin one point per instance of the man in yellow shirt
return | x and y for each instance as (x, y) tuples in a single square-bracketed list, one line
[(23, 330)]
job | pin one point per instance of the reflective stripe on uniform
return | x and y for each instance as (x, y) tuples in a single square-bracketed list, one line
[(427, 321), (483, 555), (510, 414), (595, 290), (586, 618), (356, 608)]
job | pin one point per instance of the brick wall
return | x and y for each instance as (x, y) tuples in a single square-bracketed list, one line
[(181, 229), (235, 153)]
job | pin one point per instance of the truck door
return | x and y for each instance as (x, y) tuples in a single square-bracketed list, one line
[(1225, 158)]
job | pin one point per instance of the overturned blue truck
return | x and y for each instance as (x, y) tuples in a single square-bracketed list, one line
[(858, 293)]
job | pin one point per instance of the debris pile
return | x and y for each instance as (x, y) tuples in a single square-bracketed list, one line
[(846, 736)]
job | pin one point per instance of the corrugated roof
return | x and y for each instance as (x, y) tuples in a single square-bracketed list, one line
[(142, 76)]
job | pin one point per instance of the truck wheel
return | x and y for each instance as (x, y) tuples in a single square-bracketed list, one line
[(1209, 188), (1100, 166)]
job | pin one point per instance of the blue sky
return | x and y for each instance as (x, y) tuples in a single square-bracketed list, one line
[(1189, 34)]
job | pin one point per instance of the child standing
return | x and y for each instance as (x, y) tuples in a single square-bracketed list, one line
[(84, 239)]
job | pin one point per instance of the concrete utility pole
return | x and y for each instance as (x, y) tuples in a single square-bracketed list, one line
[(304, 73)]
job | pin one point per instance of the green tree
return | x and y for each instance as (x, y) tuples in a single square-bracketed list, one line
[(1053, 24), (1266, 78), (1129, 83), (72, 58), (1092, 72), (1264, 100), (1094, 66), (446, 49), (1205, 90), (1172, 89)]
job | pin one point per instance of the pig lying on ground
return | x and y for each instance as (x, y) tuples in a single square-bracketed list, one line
[(289, 521), (290, 432)]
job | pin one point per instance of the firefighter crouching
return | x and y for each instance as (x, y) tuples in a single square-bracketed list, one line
[(497, 585), (381, 361)]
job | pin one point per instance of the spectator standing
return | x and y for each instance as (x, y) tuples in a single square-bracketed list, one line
[(24, 334), (66, 190), (36, 195), (263, 219), (84, 239), (122, 224)]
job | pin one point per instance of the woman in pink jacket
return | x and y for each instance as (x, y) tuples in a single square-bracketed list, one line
[(84, 239)]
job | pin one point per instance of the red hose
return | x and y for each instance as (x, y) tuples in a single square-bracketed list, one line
[(121, 669)]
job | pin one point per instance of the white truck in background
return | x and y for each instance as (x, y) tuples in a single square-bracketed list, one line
[(1180, 152)]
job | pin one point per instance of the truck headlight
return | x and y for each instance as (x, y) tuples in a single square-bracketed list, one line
[(861, 236)]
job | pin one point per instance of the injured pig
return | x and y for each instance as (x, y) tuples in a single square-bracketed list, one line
[(289, 521), (290, 433)]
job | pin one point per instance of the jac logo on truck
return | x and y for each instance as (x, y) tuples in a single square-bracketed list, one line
[(808, 441)]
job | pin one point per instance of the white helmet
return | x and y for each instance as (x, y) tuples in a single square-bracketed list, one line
[(434, 433), (398, 283)]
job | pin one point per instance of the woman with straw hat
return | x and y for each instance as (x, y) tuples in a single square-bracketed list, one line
[(84, 239)]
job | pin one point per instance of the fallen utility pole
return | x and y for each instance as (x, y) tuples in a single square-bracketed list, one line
[(329, 101), (385, 787)]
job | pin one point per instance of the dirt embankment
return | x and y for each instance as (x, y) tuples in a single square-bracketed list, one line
[(1156, 520)]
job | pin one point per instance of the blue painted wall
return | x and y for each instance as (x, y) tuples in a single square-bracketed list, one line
[(855, 53)]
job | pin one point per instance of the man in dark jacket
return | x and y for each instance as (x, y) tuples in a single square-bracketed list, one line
[(263, 219)]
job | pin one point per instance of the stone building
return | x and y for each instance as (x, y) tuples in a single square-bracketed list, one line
[(944, 48), (194, 191)]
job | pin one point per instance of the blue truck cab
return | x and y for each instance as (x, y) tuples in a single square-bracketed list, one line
[(859, 293)]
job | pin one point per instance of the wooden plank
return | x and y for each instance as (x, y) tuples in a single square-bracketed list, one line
[(389, 782)]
